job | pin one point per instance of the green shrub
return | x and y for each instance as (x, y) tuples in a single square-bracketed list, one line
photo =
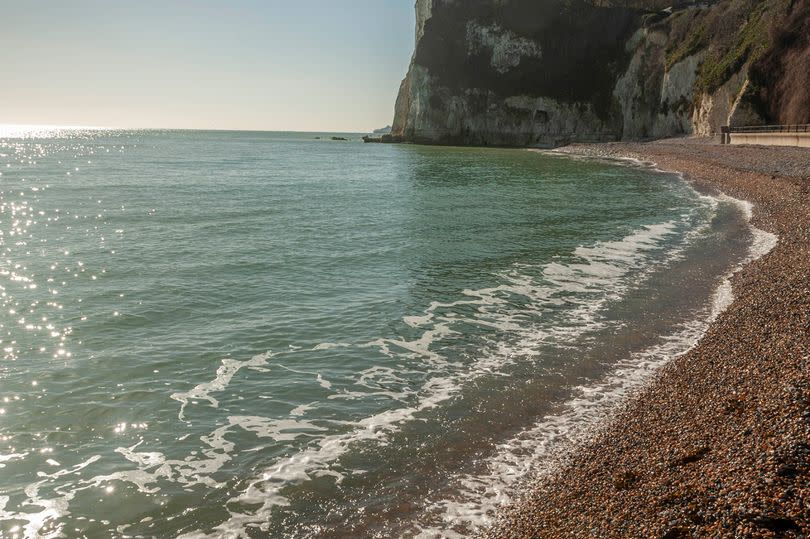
[(693, 43), (747, 44)]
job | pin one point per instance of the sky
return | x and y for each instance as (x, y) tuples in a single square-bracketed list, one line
[(287, 65)]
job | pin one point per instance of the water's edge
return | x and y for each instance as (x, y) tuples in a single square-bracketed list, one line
[(278, 336), (540, 452)]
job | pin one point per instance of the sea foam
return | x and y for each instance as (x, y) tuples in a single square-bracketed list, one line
[(547, 446), (597, 274)]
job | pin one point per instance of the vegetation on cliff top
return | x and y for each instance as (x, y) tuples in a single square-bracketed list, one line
[(780, 78), (747, 44), (733, 33), (688, 37)]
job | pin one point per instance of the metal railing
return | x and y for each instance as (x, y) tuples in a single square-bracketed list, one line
[(799, 128)]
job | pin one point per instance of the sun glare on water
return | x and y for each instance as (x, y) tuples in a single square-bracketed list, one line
[(39, 131)]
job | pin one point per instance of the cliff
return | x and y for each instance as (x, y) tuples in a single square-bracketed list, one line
[(544, 73)]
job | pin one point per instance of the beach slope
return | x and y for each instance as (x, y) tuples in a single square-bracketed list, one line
[(718, 445)]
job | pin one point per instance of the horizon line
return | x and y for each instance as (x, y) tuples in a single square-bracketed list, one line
[(32, 127)]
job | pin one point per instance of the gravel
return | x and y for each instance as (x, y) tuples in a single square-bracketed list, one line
[(718, 445)]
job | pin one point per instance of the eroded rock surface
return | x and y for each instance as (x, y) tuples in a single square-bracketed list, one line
[(528, 73)]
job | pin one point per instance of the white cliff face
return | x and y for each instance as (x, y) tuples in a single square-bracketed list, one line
[(471, 98), (551, 122), (430, 113), (505, 48), (641, 81), (656, 103), (403, 116), (418, 114), (715, 110), (438, 103), (424, 10), (677, 97), (514, 121)]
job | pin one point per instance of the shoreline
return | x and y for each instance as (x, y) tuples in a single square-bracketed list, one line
[(546, 447), (689, 453)]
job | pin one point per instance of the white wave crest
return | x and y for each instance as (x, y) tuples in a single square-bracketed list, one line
[(225, 373), (541, 449), (596, 275)]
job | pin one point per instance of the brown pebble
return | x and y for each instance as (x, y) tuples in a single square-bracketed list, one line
[(718, 445)]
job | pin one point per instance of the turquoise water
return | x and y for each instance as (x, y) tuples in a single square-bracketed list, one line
[(269, 334)]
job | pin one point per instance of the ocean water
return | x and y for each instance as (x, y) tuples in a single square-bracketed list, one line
[(232, 334)]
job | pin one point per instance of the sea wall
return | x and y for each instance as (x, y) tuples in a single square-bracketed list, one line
[(801, 140)]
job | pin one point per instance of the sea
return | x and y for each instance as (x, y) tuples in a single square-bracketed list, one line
[(257, 334)]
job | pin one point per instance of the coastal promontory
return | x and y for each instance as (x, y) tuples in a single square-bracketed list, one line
[(528, 73)]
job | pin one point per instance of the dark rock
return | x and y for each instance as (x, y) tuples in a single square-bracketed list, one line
[(787, 471), (624, 480), (776, 524), (678, 532), (692, 456)]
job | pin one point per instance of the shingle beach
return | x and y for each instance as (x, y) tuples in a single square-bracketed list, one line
[(718, 444)]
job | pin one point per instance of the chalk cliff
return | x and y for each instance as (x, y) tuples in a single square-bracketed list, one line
[(548, 72)]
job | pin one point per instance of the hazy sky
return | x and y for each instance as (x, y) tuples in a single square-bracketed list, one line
[(306, 65)]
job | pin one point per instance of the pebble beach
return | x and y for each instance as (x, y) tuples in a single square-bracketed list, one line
[(718, 444)]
